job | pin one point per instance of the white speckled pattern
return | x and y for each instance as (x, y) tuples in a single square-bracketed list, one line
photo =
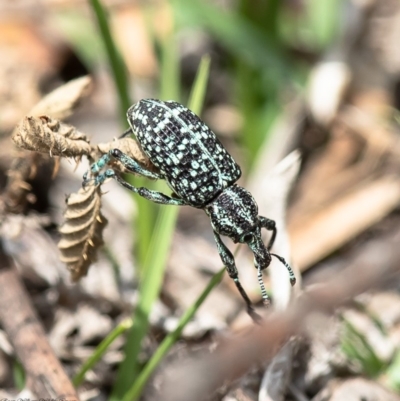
[(188, 154)]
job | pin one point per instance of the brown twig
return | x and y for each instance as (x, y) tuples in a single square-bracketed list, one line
[(45, 375)]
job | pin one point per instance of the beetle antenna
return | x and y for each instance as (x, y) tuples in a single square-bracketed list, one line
[(292, 277), (264, 294)]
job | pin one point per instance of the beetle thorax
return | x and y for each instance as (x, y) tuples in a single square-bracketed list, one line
[(233, 213)]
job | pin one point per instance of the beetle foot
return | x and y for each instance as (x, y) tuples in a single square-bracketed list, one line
[(87, 179), (267, 302)]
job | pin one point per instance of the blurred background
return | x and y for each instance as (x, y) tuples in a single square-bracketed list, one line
[(318, 77)]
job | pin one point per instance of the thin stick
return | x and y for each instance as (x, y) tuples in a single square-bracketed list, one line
[(45, 375)]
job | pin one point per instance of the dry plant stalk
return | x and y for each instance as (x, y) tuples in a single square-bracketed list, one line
[(82, 232)]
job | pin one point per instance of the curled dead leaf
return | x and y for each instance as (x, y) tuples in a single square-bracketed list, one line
[(82, 231), (17, 193), (62, 102), (46, 135)]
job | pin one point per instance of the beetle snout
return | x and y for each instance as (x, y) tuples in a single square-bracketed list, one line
[(262, 257)]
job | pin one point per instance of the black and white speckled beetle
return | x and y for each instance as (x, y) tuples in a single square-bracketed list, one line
[(201, 174)]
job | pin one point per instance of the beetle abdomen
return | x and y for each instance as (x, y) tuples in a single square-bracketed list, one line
[(188, 154)]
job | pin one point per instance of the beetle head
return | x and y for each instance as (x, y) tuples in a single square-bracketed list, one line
[(235, 214)]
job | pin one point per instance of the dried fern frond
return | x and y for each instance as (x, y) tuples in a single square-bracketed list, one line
[(82, 232), (46, 135)]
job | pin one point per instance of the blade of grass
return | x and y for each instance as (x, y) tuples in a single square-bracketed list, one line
[(82, 35), (144, 222), (169, 89), (355, 345), (250, 34), (135, 391), (149, 290), (19, 375), (323, 21), (116, 63), (263, 14), (198, 92), (146, 211), (152, 277), (392, 374), (170, 69), (237, 35), (100, 350)]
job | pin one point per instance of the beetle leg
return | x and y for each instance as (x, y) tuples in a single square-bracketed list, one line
[(128, 132), (128, 162), (149, 194), (270, 226), (229, 262), (132, 165)]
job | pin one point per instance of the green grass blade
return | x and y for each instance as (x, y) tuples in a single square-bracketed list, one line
[(117, 65), (135, 391), (323, 21), (19, 375), (263, 14), (152, 277), (82, 35), (149, 290), (357, 348), (393, 373), (198, 92), (100, 350), (144, 222), (146, 211), (237, 35), (169, 90), (170, 69)]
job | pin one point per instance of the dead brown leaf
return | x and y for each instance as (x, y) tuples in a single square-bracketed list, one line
[(82, 232)]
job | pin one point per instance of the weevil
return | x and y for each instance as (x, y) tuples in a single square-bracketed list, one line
[(201, 173)]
